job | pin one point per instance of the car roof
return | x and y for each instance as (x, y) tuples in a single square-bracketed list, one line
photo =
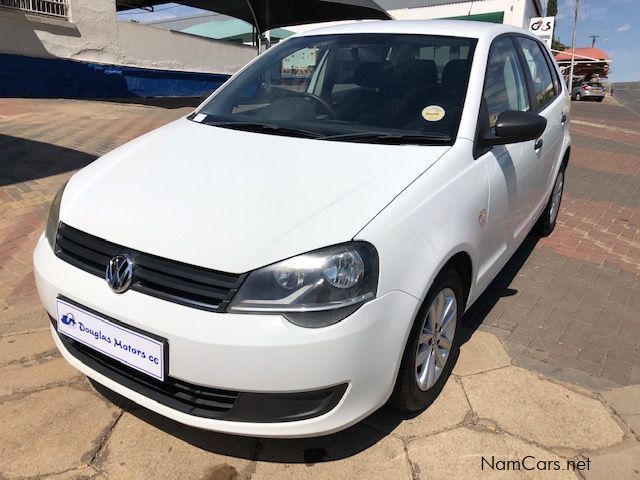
[(450, 28)]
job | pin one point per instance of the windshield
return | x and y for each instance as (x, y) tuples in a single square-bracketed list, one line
[(386, 88)]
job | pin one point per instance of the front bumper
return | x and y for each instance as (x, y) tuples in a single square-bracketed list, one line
[(247, 353)]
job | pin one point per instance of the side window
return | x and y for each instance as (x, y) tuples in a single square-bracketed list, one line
[(504, 86), (544, 88), (297, 69)]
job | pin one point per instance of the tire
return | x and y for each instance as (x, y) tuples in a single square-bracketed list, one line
[(599, 99), (407, 394), (578, 97), (547, 221)]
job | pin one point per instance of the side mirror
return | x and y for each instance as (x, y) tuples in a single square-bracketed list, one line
[(514, 126)]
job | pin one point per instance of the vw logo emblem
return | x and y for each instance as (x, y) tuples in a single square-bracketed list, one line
[(119, 273)]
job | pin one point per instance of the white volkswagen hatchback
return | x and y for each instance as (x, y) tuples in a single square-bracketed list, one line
[(300, 250)]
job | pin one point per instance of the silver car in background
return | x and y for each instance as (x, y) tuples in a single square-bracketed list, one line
[(587, 91)]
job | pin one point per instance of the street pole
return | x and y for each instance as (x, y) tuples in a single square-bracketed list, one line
[(573, 46)]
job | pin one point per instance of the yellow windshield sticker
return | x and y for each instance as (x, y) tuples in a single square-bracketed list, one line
[(433, 113)]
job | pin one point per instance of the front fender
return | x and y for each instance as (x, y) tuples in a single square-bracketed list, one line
[(437, 216)]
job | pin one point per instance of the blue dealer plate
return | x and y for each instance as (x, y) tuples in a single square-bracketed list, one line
[(130, 347)]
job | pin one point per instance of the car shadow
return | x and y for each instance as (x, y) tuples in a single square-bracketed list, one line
[(309, 451), (24, 160), (332, 447), (498, 288)]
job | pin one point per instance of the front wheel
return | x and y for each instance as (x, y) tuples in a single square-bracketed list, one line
[(432, 346), (547, 221)]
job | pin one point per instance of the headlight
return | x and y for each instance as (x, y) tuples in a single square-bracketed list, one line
[(54, 215), (314, 289)]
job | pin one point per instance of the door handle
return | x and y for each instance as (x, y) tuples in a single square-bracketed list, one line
[(563, 119), (538, 145)]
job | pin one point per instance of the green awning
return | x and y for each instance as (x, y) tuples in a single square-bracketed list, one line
[(232, 30), (493, 17)]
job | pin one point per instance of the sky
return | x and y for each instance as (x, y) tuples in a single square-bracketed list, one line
[(617, 22), (166, 11)]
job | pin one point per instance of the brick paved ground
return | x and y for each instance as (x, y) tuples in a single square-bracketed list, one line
[(567, 306), (42, 142)]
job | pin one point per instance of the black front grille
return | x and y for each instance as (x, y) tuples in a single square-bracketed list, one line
[(182, 396), (166, 279)]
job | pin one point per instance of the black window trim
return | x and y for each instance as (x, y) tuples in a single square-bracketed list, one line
[(554, 70)]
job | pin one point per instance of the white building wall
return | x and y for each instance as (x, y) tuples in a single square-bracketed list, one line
[(93, 34), (150, 47), (516, 12)]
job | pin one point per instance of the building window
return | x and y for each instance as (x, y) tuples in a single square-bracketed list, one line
[(53, 8)]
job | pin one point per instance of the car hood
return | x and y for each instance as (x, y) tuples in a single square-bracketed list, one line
[(234, 201)]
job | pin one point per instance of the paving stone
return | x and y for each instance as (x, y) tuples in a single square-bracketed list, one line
[(513, 349), (481, 352), (626, 402), (576, 372), (449, 409), (18, 378), (355, 453), (633, 422), (18, 320), (80, 473), (620, 464), (530, 407), (465, 449), (21, 347), (500, 333), (617, 370), (161, 449), (51, 431), (590, 352)]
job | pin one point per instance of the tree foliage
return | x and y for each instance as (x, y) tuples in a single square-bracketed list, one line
[(552, 8), (558, 45)]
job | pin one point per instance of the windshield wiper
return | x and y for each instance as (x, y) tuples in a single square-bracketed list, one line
[(269, 128), (391, 138)]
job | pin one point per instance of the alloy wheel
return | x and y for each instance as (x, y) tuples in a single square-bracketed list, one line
[(436, 338), (556, 197)]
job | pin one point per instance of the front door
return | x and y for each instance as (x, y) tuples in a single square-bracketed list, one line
[(511, 169)]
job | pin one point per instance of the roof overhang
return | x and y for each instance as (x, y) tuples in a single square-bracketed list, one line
[(269, 14)]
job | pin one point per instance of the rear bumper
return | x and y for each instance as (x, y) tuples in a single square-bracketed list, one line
[(256, 354), (591, 95)]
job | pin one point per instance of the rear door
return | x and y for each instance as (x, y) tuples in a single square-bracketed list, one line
[(547, 100)]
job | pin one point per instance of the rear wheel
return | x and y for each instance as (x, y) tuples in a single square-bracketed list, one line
[(578, 97), (432, 346), (599, 99), (547, 221)]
